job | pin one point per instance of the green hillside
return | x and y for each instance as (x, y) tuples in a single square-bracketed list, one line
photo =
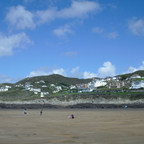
[(54, 79), (140, 73)]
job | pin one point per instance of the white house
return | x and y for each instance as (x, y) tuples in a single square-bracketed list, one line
[(135, 76), (137, 84), (28, 86), (52, 85), (42, 95), (43, 86), (35, 90), (19, 85), (72, 87), (5, 88), (98, 83), (86, 90), (108, 78), (58, 88), (41, 81)]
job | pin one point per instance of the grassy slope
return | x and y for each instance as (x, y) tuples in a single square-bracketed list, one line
[(55, 79)]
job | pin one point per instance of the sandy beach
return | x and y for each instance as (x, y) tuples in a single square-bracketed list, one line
[(90, 126)]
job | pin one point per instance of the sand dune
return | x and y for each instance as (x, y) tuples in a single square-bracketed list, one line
[(99, 126)]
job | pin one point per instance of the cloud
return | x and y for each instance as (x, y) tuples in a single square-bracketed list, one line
[(112, 35), (28, 1), (97, 30), (7, 79), (132, 69), (46, 15), (89, 75), (43, 71), (79, 9), (20, 18), (75, 70), (8, 44), (4, 79), (63, 30), (136, 26), (112, 6), (69, 54), (107, 70)]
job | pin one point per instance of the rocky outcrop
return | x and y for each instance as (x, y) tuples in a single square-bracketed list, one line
[(79, 103), (76, 106), (96, 100)]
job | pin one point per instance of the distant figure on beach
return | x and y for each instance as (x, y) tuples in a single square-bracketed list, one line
[(71, 116), (41, 112), (25, 112)]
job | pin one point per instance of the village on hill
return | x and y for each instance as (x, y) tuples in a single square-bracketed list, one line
[(133, 82)]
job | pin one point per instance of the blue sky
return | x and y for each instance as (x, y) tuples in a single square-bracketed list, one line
[(73, 38)]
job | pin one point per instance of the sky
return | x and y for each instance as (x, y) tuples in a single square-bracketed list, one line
[(73, 38)]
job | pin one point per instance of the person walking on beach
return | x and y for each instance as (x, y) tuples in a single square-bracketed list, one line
[(25, 112), (72, 116), (41, 112)]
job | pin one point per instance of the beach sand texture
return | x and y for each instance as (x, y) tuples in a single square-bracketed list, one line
[(90, 126)]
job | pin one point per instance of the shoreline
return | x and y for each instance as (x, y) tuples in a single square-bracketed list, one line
[(76, 106)]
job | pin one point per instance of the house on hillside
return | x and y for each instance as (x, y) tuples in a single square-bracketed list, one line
[(135, 76), (43, 94), (116, 84), (58, 88), (108, 78), (98, 83), (28, 86), (81, 86), (86, 90), (137, 84), (43, 86), (4, 88), (41, 81), (91, 85), (35, 90), (116, 78), (19, 85), (72, 87), (52, 85)]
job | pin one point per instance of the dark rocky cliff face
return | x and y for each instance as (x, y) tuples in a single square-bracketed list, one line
[(77, 106)]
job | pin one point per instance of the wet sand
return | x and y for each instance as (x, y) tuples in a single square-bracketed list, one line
[(92, 126)]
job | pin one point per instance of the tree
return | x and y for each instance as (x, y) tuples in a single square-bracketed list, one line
[(123, 77)]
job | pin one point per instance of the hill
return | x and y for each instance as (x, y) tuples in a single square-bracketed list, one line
[(104, 95), (140, 73), (54, 79)]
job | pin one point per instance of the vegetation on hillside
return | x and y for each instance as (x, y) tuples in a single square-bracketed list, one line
[(54, 79), (19, 93)]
